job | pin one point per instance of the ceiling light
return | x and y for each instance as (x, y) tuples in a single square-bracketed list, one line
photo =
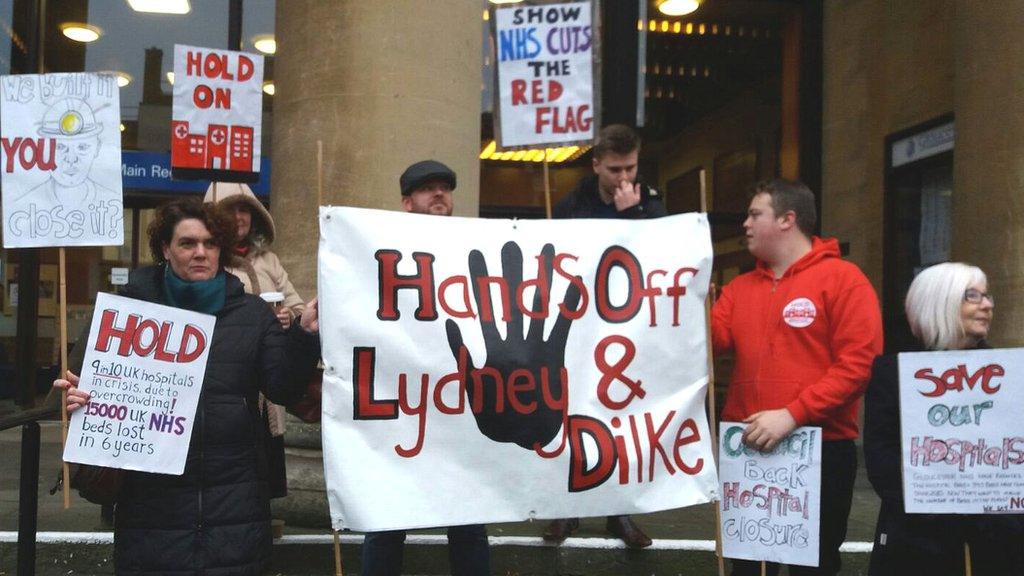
[(122, 126), (566, 153), (80, 32), (265, 43), (556, 155), (161, 6), (488, 150), (678, 7), (123, 79), (268, 87), (505, 1), (170, 78)]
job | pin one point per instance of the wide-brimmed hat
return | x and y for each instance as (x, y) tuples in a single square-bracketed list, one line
[(227, 194)]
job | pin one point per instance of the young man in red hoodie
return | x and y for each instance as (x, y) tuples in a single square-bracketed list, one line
[(805, 326)]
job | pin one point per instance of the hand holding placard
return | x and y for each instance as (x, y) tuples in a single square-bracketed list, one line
[(76, 398), (770, 507), (140, 386)]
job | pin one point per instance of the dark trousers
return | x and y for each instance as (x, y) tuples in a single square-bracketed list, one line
[(838, 472), (933, 544), (468, 554)]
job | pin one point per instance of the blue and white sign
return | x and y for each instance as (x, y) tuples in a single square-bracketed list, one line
[(923, 145), (151, 172)]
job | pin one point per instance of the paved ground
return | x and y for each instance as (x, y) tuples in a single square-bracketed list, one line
[(308, 551)]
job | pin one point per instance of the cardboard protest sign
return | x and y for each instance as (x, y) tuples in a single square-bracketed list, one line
[(961, 431), (771, 501), (545, 73), (61, 155), (143, 369), (217, 114), (498, 370)]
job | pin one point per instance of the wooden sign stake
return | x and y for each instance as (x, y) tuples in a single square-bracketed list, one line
[(547, 185), (319, 173), (712, 408), (337, 554), (65, 471)]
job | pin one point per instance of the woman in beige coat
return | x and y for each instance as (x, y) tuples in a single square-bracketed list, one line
[(261, 273)]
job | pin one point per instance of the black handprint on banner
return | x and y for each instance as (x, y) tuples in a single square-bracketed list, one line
[(521, 393)]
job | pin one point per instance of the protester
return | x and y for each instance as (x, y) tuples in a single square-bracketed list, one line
[(258, 268), (805, 326), (427, 189), (261, 272), (611, 192), (215, 517), (948, 308)]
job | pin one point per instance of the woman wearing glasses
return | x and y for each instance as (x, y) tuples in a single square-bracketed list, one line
[(948, 308)]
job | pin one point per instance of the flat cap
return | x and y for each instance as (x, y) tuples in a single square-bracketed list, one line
[(422, 172)]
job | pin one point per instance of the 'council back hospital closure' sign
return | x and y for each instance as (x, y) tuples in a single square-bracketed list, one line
[(545, 74)]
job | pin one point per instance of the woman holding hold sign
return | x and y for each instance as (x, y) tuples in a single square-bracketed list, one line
[(948, 308), (216, 515)]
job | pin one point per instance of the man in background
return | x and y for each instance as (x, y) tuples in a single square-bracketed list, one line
[(611, 192), (427, 189)]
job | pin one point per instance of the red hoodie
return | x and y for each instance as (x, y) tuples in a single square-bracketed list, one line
[(804, 342)]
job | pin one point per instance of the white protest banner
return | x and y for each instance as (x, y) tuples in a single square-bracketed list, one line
[(61, 154), (770, 500), (217, 114), (545, 73), (961, 431), (498, 370), (143, 369)]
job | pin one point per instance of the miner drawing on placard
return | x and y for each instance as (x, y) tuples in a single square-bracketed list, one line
[(72, 124)]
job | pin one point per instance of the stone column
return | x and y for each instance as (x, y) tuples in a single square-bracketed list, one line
[(988, 190), (383, 84)]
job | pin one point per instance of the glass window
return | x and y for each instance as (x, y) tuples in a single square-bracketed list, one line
[(110, 36), (139, 47)]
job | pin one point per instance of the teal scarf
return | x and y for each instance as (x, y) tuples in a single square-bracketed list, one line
[(206, 296)]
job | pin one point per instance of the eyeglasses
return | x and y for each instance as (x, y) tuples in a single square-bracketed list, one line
[(976, 296)]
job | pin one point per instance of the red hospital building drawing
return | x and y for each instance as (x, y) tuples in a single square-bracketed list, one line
[(187, 150), (241, 148), (224, 148), (217, 148)]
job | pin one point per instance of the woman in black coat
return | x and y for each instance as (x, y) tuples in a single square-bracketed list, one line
[(215, 517), (948, 308)]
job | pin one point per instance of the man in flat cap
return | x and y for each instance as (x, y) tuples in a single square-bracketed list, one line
[(427, 189)]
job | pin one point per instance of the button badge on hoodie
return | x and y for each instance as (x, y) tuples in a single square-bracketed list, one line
[(799, 313)]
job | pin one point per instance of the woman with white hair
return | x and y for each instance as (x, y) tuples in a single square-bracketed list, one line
[(949, 308)]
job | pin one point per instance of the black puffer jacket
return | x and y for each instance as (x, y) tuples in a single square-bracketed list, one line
[(931, 544), (214, 519), (585, 202)]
